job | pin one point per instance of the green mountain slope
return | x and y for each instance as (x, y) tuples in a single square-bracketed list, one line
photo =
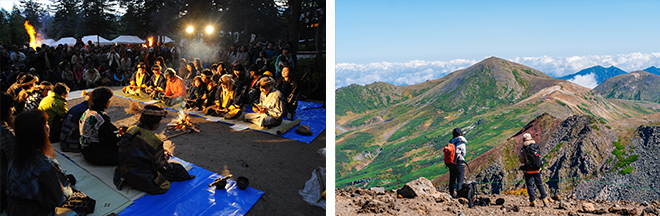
[(638, 85), (490, 101)]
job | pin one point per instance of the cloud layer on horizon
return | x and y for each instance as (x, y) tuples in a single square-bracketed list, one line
[(588, 80), (418, 71)]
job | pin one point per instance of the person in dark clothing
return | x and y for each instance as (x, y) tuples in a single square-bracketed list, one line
[(70, 133), (532, 173), (196, 94), (143, 159), (98, 136), (289, 88), (457, 172)]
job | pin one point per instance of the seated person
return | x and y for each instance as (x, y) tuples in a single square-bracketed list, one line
[(289, 88), (253, 87), (268, 112), (55, 106), (142, 158), (210, 87), (98, 136), (27, 88), (138, 80), (227, 99), (156, 84), (175, 91), (36, 183), (196, 94), (92, 76), (41, 92), (70, 133)]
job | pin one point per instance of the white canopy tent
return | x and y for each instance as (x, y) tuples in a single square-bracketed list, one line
[(96, 40), (128, 39), (65, 40), (48, 42), (167, 39)]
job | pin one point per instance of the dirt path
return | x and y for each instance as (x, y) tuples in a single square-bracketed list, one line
[(278, 166)]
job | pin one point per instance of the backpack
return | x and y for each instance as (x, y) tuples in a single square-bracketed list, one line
[(468, 191), (450, 154), (533, 155)]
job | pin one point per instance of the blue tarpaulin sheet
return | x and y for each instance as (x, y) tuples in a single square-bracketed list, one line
[(195, 197), (314, 118)]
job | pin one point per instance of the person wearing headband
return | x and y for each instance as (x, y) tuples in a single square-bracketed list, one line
[(143, 159)]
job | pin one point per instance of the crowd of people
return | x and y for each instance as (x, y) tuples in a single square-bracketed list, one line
[(36, 83)]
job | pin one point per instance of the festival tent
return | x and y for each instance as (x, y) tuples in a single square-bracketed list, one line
[(167, 40), (48, 42), (65, 40), (96, 39), (127, 39)]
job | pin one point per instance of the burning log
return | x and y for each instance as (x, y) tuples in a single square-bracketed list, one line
[(182, 124)]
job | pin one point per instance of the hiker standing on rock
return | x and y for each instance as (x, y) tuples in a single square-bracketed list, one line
[(530, 155), (455, 160)]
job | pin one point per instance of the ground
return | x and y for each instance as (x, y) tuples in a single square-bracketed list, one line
[(278, 166)]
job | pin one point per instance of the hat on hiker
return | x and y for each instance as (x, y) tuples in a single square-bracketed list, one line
[(457, 132), (527, 136)]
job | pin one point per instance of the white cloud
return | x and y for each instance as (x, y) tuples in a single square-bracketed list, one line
[(407, 73), (588, 80), (418, 71)]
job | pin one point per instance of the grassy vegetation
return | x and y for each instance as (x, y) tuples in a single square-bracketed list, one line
[(623, 160), (561, 103), (626, 170)]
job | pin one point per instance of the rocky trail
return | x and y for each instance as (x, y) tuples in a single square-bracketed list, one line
[(428, 201)]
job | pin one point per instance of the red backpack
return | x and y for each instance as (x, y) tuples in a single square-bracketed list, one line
[(450, 154)]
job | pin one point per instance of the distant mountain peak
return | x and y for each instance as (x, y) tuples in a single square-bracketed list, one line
[(600, 73)]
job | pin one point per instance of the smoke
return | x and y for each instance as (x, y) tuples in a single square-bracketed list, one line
[(197, 49)]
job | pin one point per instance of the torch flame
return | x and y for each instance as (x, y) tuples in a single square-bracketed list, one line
[(35, 39), (151, 41)]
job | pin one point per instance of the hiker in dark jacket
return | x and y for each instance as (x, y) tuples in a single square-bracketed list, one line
[(457, 172), (527, 155)]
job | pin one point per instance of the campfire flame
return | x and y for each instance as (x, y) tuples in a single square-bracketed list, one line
[(151, 41), (182, 123), (35, 38)]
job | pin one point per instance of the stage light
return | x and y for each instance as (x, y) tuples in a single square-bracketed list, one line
[(209, 29), (190, 29)]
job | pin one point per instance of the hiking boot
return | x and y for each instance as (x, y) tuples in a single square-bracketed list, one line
[(532, 203), (546, 201)]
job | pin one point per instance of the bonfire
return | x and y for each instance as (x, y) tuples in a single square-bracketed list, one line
[(182, 124)]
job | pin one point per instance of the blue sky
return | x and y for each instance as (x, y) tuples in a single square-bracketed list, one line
[(565, 34)]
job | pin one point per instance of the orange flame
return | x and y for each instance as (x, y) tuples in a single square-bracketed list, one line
[(34, 41), (151, 41)]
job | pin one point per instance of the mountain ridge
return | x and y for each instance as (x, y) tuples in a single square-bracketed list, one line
[(490, 100)]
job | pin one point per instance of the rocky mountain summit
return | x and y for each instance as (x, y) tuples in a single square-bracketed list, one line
[(424, 199)]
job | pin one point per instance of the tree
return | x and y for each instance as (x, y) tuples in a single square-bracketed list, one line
[(98, 17), (66, 20), (33, 12), (16, 31)]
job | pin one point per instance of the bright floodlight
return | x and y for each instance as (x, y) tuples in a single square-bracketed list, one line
[(209, 29), (190, 29)]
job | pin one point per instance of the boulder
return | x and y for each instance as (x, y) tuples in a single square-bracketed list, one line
[(499, 201), (588, 207), (421, 187), (565, 205), (378, 190)]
